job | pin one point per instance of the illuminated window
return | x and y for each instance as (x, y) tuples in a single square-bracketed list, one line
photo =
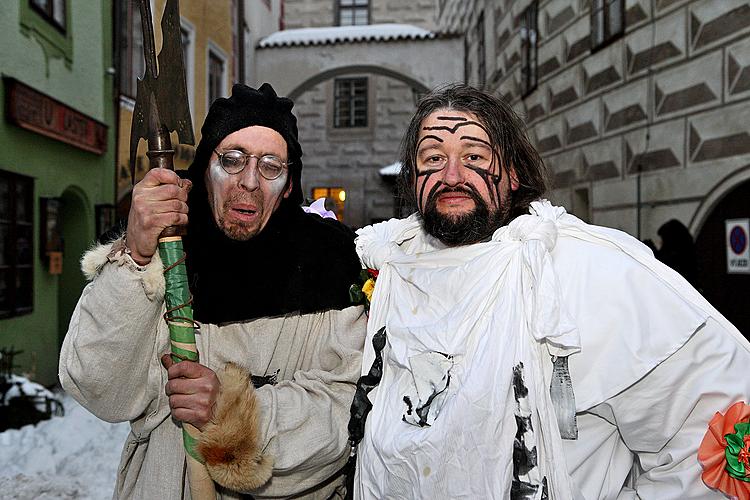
[(16, 244), (336, 194)]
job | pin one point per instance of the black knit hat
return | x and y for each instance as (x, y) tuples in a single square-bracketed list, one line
[(245, 108)]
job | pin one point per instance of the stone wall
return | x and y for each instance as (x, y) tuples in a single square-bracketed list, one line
[(669, 99)]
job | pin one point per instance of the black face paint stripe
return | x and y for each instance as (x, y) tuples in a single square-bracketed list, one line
[(490, 180), (426, 175), (453, 129), (452, 118), (429, 137)]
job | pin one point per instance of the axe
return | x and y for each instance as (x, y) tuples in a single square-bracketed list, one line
[(161, 106)]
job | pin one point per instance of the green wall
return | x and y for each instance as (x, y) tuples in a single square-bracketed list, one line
[(75, 72)]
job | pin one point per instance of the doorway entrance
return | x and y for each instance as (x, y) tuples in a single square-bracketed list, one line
[(74, 227), (729, 293)]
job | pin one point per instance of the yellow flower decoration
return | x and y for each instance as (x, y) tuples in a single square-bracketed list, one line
[(368, 288)]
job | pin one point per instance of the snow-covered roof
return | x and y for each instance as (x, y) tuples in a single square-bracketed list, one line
[(346, 34), (391, 170)]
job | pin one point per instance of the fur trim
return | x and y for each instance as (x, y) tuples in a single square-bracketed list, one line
[(229, 444), (94, 259), (152, 277), (152, 274)]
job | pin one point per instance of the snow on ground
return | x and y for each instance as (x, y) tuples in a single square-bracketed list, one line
[(70, 457)]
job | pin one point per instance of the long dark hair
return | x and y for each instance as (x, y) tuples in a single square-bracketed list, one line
[(507, 135)]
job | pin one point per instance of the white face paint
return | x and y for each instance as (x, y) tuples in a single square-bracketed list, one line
[(243, 203)]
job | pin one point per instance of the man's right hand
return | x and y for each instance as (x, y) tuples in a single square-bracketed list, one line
[(159, 200)]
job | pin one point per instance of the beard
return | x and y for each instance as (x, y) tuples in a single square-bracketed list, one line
[(464, 229), (234, 230)]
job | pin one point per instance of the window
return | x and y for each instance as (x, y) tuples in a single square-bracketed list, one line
[(353, 12), (350, 102), (529, 38), (216, 76), (607, 21), (238, 41), (52, 10), (130, 47), (481, 55), (16, 242), (335, 199), (187, 35)]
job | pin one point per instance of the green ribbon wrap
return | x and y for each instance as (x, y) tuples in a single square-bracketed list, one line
[(179, 315)]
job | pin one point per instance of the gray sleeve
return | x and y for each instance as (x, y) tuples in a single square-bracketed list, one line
[(109, 360), (663, 417), (304, 420)]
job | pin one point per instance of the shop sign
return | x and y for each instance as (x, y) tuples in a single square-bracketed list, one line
[(34, 111)]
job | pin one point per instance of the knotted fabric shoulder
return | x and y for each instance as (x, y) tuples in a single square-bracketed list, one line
[(230, 442)]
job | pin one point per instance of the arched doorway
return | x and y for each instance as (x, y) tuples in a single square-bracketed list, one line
[(74, 223), (727, 292)]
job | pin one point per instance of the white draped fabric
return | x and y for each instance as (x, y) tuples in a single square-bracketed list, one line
[(460, 320)]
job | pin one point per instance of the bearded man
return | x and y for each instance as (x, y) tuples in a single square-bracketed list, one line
[(515, 351), (270, 287)]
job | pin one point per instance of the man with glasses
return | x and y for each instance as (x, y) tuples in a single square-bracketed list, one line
[(270, 292)]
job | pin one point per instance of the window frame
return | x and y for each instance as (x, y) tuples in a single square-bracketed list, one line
[(609, 35), (12, 266), (48, 14), (188, 54), (529, 48), (214, 51), (351, 122), (481, 51), (127, 83), (353, 8)]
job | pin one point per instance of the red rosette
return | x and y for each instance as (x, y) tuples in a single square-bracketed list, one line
[(712, 455)]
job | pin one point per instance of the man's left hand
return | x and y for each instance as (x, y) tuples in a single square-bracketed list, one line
[(192, 389)]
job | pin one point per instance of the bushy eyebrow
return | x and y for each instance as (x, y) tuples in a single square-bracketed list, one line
[(234, 147)]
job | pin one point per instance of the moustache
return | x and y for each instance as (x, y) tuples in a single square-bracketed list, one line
[(437, 191)]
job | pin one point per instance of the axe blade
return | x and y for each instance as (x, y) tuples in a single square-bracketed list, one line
[(171, 88), (167, 91)]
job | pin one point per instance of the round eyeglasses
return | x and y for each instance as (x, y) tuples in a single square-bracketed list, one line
[(234, 162)]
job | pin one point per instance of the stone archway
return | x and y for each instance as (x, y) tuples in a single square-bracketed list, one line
[(359, 68), (727, 292)]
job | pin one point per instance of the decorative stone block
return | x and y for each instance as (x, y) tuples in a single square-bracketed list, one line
[(690, 86), (720, 134), (712, 21), (625, 106), (664, 149), (655, 46), (582, 122)]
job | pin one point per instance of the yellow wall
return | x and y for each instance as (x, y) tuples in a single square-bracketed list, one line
[(211, 21)]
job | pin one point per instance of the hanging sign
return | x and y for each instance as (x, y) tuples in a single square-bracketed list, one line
[(738, 250)]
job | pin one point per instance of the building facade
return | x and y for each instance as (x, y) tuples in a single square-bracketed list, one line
[(355, 69), (640, 109), (57, 183)]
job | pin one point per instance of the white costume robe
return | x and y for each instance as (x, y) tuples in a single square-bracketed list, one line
[(649, 359)]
